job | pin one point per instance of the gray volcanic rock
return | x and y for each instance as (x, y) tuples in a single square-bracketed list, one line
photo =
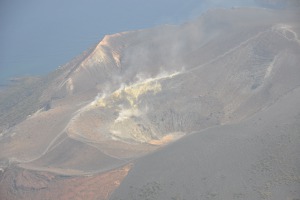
[(215, 99), (255, 159)]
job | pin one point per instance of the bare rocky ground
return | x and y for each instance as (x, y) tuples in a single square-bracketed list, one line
[(204, 110), (255, 159), (20, 183)]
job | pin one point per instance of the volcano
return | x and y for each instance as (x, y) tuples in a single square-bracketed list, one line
[(208, 109)]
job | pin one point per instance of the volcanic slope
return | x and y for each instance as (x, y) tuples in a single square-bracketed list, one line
[(135, 92)]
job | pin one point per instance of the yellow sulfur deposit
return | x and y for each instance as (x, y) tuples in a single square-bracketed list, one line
[(132, 92)]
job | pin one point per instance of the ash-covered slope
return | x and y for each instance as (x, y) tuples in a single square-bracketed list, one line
[(135, 92), (255, 159)]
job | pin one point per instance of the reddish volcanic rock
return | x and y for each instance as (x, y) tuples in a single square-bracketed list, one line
[(20, 183)]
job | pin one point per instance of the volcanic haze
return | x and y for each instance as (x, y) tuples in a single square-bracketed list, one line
[(205, 110)]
